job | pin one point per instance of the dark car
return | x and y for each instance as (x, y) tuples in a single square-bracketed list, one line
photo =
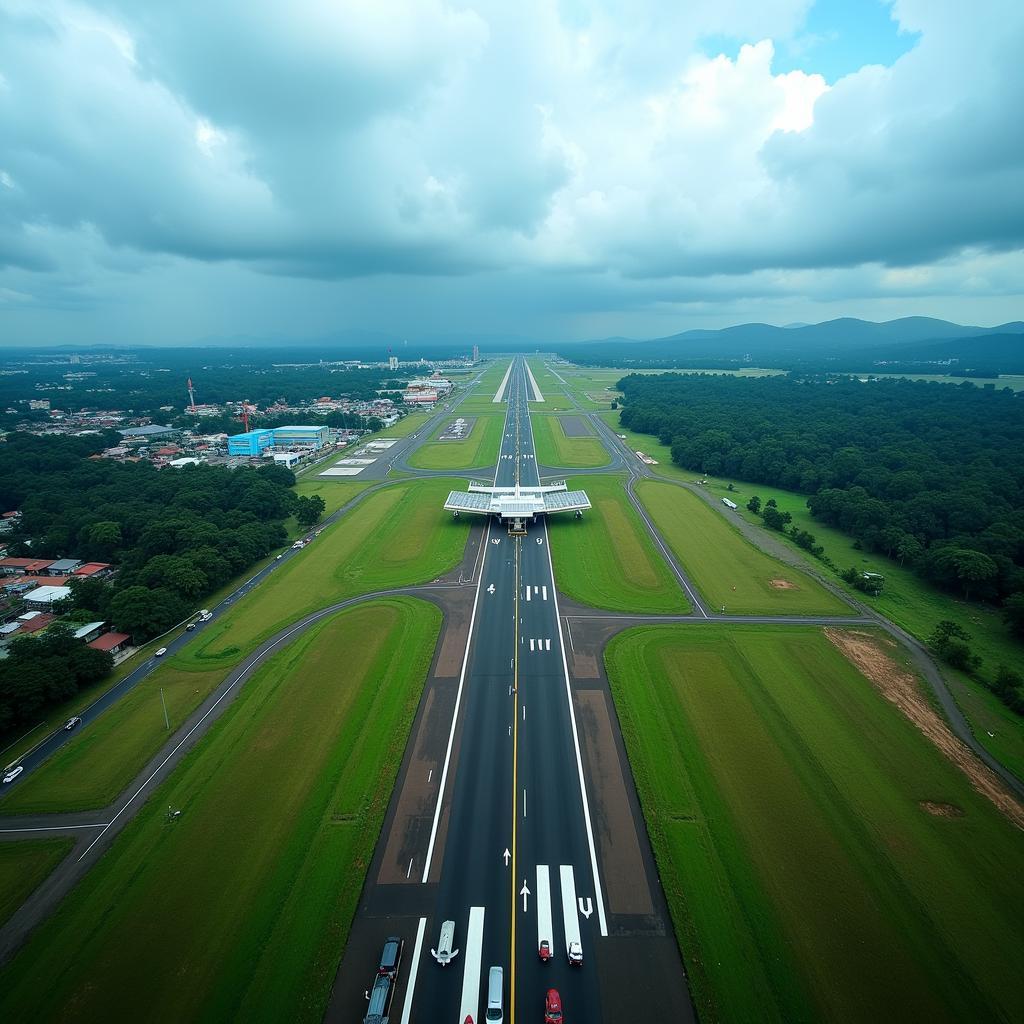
[(391, 957), (552, 1007)]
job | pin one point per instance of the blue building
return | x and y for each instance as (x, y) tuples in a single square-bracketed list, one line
[(254, 442)]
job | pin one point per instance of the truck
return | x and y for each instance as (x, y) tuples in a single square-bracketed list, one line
[(380, 1001)]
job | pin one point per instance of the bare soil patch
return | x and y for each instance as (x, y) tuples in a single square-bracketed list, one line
[(941, 810), (899, 686), (783, 585)]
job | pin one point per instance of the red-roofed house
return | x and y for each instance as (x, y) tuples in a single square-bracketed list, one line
[(112, 642), (92, 570), (15, 566)]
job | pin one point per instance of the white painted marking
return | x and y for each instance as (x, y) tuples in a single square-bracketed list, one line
[(506, 855), (536, 589), (430, 774), (524, 801), (52, 828), (471, 965), (547, 645), (570, 922), (544, 929), (531, 643), (408, 871), (586, 906), (490, 589), (527, 593), (569, 631), (524, 712), (413, 970), (544, 592), (525, 893), (455, 719)]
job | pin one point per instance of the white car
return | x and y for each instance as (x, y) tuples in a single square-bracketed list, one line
[(14, 773), (160, 653)]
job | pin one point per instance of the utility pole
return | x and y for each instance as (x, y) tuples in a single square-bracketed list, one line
[(167, 721)]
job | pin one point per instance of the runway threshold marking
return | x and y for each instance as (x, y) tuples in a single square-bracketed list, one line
[(471, 965), (544, 928)]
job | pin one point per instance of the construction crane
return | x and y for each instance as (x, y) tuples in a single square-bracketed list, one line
[(246, 409), (191, 396)]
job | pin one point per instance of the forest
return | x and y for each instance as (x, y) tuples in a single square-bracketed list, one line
[(929, 474), (173, 536)]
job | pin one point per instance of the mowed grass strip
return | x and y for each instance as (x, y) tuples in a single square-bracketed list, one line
[(99, 761), (608, 560), (728, 570), (555, 448), (785, 801), (241, 909), (24, 864), (397, 536), (480, 448)]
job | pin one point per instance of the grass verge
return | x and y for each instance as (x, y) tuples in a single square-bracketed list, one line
[(24, 865), (555, 448), (786, 802), (241, 909), (730, 571), (608, 560), (479, 449)]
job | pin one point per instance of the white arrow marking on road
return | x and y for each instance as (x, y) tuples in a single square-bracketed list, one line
[(495, 540), (506, 855), (525, 893), (490, 589), (586, 907), (540, 540)]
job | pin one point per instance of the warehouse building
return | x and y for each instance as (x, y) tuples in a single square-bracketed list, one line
[(257, 442), (252, 442)]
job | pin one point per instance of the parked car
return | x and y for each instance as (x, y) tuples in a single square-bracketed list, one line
[(552, 1007), (391, 956), (160, 652), (71, 723), (14, 773)]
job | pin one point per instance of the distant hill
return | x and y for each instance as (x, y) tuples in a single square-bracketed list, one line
[(845, 343)]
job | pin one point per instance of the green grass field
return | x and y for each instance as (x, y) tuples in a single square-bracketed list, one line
[(555, 449), (608, 560), (97, 763), (241, 909), (783, 797), (334, 492), (24, 865), (398, 535), (480, 448), (728, 570)]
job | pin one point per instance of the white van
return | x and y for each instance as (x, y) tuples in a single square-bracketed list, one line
[(495, 996)]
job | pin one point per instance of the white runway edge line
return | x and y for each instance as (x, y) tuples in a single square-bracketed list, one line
[(244, 674), (499, 395), (598, 892), (471, 965), (411, 988)]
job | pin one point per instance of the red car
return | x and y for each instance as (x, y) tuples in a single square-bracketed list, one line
[(545, 951), (552, 1007)]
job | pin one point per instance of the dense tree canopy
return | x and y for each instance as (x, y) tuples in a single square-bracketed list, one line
[(929, 474)]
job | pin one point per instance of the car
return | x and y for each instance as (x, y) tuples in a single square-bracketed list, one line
[(13, 773), (391, 957), (544, 952), (160, 652), (71, 723), (552, 1007), (204, 613), (299, 544), (279, 557), (575, 953), (206, 616), (191, 625)]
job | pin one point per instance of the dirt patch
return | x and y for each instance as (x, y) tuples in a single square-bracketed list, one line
[(575, 426), (899, 686), (941, 810), (783, 585)]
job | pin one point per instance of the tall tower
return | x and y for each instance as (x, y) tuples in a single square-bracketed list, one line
[(191, 396), (476, 353)]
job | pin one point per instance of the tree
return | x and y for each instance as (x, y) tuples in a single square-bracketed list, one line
[(754, 504), (309, 509), (143, 613), (1013, 612), (952, 643)]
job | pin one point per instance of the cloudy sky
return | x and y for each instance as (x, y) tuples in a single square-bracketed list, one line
[(174, 172)]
